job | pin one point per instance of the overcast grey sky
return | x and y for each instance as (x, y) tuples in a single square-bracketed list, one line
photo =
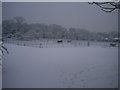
[(66, 14)]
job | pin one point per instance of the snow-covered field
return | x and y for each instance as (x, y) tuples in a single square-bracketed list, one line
[(0, 77), (75, 67), (0, 70)]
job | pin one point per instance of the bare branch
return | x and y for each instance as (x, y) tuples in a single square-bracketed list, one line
[(108, 10), (104, 7)]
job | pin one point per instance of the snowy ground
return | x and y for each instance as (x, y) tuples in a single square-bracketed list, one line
[(0, 77), (0, 66), (77, 67)]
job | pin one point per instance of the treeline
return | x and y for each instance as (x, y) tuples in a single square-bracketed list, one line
[(18, 28)]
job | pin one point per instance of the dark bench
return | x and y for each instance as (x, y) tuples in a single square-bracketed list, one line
[(59, 41), (112, 44)]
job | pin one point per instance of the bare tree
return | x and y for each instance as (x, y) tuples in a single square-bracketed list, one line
[(107, 6)]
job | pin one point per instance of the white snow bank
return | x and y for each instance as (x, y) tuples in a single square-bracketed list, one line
[(83, 67)]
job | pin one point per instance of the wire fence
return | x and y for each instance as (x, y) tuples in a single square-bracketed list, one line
[(64, 43)]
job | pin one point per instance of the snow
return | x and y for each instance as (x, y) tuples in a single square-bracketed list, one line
[(0, 77), (0, 71), (75, 67), (0, 66)]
